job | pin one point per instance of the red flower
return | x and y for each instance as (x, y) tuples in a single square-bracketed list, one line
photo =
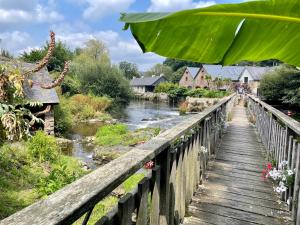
[(269, 165), (149, 165)]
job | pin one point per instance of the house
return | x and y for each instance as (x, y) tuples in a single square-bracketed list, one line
[(248, 75), (48, 97), (193, 78), (146, 84)]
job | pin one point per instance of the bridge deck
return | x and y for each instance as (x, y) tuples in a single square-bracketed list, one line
[(234, 192)]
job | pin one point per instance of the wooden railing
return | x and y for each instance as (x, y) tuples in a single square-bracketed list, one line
[(280, 135), (180, 158)]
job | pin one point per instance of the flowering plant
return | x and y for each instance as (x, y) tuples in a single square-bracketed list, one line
[(283, 176)]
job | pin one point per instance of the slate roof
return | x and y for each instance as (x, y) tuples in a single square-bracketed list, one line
[(234, 72), (36, 93), (193, 71), (213, 70), (146, 81), (258, 72)]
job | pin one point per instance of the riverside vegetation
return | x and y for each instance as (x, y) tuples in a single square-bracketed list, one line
[(32, 164)]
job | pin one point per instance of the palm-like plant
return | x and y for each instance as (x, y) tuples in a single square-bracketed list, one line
[(223, 33)]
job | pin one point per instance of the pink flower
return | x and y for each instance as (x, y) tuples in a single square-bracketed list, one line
[(149, 165)]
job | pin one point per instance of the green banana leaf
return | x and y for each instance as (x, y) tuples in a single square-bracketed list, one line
[(224, 33)]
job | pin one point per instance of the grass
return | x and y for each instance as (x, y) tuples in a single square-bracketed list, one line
[(118, 134), (26, 177)]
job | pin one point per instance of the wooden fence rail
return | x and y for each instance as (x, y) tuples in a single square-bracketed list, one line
[(280, 135), (180, 157)]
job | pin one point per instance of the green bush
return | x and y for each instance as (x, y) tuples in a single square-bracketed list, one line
[(63, 172), (43, 147), (204, 93)]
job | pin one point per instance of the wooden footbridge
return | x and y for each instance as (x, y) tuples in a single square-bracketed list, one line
[(207, 171)]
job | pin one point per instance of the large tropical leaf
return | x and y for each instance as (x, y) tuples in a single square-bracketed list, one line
[(228, 33)]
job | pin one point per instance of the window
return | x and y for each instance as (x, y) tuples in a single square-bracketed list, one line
[(186, 78), (245, 79)]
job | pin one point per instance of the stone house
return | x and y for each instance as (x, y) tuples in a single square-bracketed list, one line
[(193, 78), (146, 84), (246, 75)]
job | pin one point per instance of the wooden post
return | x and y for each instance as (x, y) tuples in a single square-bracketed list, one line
[(164, 162), (172, 182), (142, 202), (155, 183), (125, 209), (296, 184)]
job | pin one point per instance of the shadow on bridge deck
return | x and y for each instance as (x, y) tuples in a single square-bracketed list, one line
[(234, 192)]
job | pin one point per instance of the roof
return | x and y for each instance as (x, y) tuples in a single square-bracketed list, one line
[(234, 72), (36, 93), (193, 71), (146, 81), (213, 70), (258, 72)]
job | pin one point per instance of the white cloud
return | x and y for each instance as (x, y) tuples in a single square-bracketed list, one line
[(120, 49), (100, 8), (24, 11), (15, 41), (174, 5)]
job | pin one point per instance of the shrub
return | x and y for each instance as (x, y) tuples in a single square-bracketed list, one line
[(64, 171), (43, 147)]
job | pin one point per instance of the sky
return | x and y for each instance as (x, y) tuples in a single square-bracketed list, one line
[(25, 24)]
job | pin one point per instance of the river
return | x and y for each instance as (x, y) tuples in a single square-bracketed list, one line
[(138, 114)]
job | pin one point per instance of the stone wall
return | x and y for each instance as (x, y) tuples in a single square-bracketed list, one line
[(49, 122), (199, 104)]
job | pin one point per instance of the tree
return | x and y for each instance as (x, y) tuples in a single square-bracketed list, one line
[(6, 54), (61, 54), (208, 79), (175, 64), (283, 85), (129, 70), (223, 33), (160, 69), (176, 76), (96, 50), (96, 75)]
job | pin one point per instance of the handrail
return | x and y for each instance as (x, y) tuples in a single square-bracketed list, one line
[(288, 121), (280, 136), (71, 202)]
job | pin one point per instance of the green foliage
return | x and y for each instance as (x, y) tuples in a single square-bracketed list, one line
[(118, 134), (24, 179), (282, 84), (207, 93), (110, 135), (132, 182), (175, 91), (129, 70), (60, 55), (97, 76), (224, 33), (177, 64), (43, 147), (64, 171), (176, 76), (159, 69)]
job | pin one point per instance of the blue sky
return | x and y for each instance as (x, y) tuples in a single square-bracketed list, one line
[(25, 24)]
